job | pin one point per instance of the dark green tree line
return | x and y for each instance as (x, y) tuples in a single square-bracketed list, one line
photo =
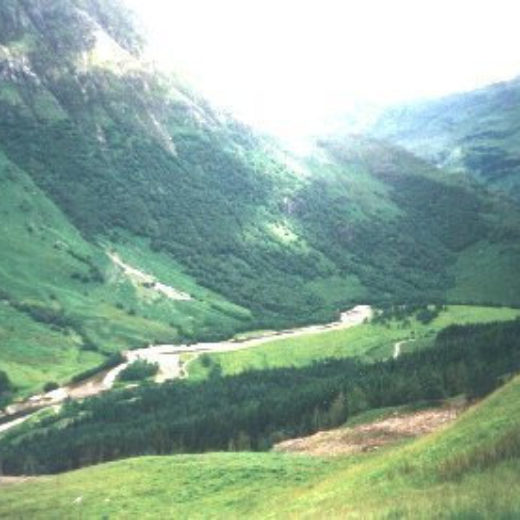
[(257, 408)]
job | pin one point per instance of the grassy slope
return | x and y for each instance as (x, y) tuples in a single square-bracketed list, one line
[(486, 273), (468, 470), (368, 341), (207, 312), (36, 354), (37, 269)]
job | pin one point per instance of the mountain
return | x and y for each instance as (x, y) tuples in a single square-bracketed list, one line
[(475, 132), (121, 149), (134, 212)]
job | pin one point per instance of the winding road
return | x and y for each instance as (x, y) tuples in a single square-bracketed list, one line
[(167, 358)]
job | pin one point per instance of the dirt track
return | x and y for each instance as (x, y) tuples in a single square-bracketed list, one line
[(140, 278)]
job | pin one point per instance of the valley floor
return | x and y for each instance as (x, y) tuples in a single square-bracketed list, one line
[(167, 357), (293, 347)]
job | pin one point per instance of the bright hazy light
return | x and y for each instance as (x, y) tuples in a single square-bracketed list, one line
[(286, 64)]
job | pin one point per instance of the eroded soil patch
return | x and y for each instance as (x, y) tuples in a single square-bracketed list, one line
[(371, 436), (9, 481)]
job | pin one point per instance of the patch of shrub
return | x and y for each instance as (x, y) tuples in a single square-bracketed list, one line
[(139, 370), (50, 386)]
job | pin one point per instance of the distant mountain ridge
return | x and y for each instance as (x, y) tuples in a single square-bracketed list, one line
[(476, 132)]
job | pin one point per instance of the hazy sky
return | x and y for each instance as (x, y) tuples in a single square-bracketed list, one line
[(285, 63)]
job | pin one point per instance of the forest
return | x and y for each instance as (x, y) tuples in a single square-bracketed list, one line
[(255, 409)]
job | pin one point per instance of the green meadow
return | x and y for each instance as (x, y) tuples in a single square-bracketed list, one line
[(368, 342), (487, 272)]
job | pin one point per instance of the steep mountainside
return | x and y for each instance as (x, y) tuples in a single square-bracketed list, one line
[(116, 178), (65, 305), (118, 147), (477, 132)]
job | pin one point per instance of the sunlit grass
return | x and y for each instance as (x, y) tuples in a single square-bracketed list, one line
[(367, 342), (487, 273)]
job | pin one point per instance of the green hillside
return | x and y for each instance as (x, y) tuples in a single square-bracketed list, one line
[(66, 306), (468, 470), (125, 151), (408, 229), (121, 149), (475, 132)]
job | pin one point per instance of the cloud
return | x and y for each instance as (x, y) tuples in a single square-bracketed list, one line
[(286, 63)]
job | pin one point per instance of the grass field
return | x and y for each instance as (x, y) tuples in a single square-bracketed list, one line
[(368, 341), (468, 470)]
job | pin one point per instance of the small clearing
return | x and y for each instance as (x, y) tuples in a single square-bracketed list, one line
[(371, 436)]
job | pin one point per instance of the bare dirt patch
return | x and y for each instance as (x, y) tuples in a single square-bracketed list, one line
[(9, 481), (371, 436), (145, 280)]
